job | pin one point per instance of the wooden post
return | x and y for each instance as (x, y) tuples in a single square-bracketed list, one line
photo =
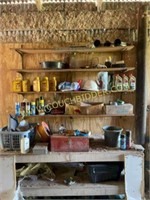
[(141, 78)]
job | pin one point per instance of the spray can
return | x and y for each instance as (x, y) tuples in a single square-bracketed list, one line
[(128, 139), (41, 110), (123, 142), (33, 108), (27, 108), (17, 108)]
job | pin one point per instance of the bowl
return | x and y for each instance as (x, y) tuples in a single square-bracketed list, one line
[(43, 131), (54, 65)]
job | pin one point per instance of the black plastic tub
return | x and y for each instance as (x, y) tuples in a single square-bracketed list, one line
[(111, 135), (104, 171)]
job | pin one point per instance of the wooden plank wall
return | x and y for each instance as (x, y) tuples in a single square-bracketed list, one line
[(11, 60)]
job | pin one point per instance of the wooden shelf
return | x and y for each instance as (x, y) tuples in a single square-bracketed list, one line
[(48, 188), (79, 116), (74, 50), (73, 70), (76, 92)]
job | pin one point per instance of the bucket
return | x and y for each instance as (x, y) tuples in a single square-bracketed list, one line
[(112, 134)]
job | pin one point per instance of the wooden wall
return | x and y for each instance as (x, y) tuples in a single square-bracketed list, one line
[(10, 59), (65, 25)]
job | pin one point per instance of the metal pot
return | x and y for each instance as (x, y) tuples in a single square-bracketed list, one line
[(53, 65)]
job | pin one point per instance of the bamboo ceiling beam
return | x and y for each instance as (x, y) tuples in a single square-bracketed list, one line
[(39, 4)]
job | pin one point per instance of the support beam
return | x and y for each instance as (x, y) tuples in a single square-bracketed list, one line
[(141, 78)]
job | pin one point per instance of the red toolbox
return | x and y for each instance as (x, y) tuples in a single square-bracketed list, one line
[(61, 143)]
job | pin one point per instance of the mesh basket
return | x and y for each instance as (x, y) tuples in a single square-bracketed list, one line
[(11, 140)]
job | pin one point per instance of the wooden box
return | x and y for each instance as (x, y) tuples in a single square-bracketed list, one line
[(69, 143), (125, 109)]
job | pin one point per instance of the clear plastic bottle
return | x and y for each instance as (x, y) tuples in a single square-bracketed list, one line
[(25, 145), (36, 84)]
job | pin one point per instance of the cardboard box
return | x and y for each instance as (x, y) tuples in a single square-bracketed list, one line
[(61, 143), (85, 108), (125, 109)]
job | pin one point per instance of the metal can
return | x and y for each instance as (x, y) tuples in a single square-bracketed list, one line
[(23, 108), (27, 110), (17, 108), (123, 142), (33, 108), (128, 139)]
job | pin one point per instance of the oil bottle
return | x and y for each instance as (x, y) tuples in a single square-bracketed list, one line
[(118, 82), (125, 82), (17, 85), (132, 82), (45, 84), (36, 84), (53, 84), (26, 85)]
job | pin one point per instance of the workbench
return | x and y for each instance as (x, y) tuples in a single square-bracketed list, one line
[(132, 186)]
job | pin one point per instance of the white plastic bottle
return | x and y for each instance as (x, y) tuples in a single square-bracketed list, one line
[(25, 145), (132, 82)]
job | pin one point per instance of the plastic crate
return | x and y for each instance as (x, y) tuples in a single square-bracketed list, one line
[(11, 140), (104, 171)]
